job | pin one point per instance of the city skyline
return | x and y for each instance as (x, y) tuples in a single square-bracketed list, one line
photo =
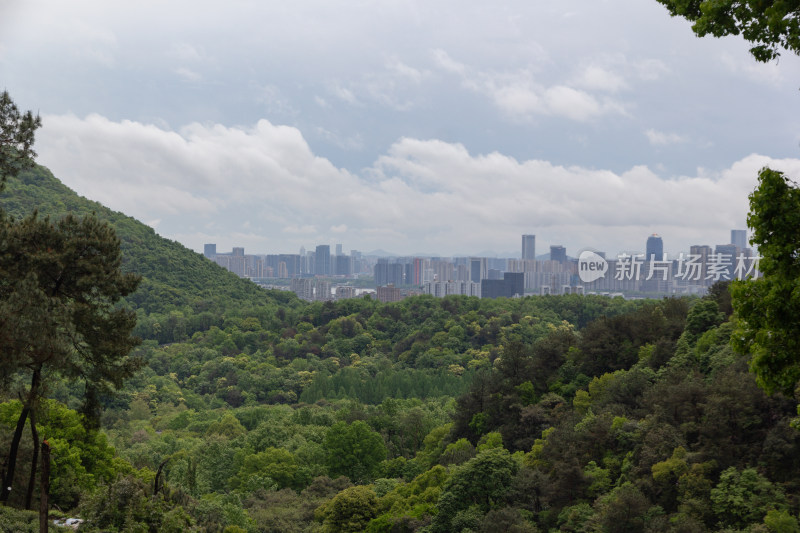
[(737, 237), (592, 272)]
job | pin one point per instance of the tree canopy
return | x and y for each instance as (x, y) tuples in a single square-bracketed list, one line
[(770, 25), (768, 308)]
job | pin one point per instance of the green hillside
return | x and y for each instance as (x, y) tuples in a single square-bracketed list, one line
[(176, 281)]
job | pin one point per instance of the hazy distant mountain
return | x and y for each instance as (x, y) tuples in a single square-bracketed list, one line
[(380, 253)]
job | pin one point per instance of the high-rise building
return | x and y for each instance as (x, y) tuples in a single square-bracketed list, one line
[(478, 269), (442, 270), (699, 253), (389, 293), (381, 272), (210, 251), (512, 284), (739, 238), (343, 265), (528, 247), (322, 290), (237, 263), (558, 253), (655, 248), (721, 263), (322, 260), (343, 292), (303, 288)]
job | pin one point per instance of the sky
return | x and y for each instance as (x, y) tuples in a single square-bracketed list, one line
[(441, 127)]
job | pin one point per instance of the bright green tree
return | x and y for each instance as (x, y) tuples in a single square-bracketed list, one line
[(354, 450), (743, 498), (350, 510), (768, 308), (768, 24)]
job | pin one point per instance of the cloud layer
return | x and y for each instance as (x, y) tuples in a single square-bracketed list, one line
[(264, 188), (448, 127)]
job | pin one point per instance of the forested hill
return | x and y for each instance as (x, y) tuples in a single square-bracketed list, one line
[(174, 278)]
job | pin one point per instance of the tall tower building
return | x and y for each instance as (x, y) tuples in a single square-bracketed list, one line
[(322, 260), (702, 251), (478, 269), (739, 238), (338, 249), (655, 248), (725, 261), (558, 253), (528, 247), (210, 251)]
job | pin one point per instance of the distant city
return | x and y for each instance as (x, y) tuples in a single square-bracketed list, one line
[(321, 275)]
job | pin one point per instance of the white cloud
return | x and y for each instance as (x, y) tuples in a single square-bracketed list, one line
[(343, 93), (519, 96), (308, 229), (186, 52), (339, 140), (659, 138), (601, 79), (744, 66), (273, 100), (404, 71), (188, 74), (651, 69), (447, 63), (420, 195)]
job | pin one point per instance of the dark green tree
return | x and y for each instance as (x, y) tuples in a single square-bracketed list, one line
[(60, 283), (482, 483), (768, 24), (768, 308), (16, 138)]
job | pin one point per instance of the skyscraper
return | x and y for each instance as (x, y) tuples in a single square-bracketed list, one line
[(655, 248), (210, 251), (478, 269), (528, 247), (322, 260), (558, 253), (739, 238)]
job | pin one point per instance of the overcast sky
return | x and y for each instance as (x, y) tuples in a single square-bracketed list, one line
[(441, 127)]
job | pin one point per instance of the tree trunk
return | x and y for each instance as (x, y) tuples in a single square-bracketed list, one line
[(8, 480), (12, 453), (34, 461), (158, 476), (45, 486)]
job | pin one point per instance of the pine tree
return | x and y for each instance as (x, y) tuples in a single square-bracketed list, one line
[(60, 285)]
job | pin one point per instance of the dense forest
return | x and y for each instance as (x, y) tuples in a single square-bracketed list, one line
[(254, 411)]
